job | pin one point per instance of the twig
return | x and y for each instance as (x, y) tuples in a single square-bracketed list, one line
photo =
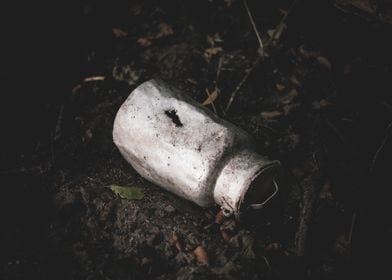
[(218, 71), (280, 24), (93, 79), (57, 131), (259, 59), (269, 271), (350, 235), (254, 27), (244, 79), (381, 147), (212, 103), (311, 187)]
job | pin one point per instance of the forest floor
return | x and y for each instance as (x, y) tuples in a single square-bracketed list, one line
[(316, 97)]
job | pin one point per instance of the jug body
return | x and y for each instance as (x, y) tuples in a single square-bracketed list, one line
[(181, 146)]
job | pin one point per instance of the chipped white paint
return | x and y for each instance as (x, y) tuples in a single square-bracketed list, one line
[(181, 146)]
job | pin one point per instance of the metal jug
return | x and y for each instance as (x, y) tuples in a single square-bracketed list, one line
[(176, 143)]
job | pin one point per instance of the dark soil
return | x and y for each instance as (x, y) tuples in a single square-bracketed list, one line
[(319, 102)]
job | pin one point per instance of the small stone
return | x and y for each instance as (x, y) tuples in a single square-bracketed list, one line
[(170, 209)]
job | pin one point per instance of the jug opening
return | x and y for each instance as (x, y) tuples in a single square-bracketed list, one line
[(262, 189)]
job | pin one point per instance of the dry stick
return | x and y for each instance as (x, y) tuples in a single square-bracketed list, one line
[(381, 147), (218, 71), (310, 187), (254, 27), (244, 79), (57, 131), (212, 103), (350, 236), (260, 58), (94, 78)]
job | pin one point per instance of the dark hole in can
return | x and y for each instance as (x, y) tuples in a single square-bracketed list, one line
[(172, 114), (262, 188)]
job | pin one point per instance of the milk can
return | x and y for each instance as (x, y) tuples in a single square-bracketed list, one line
[(174, 142)]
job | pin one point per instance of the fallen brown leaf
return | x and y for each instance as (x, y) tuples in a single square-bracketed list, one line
[(297, 172), (283, 12), (76, 88), (308, 53), (164, 30), (201, 255), (325, 62), (295, 81), (225, 235), (325, 192), (270, 115), (280, 87), (321, 103), (213, 51), (175, 241), (212, 39), (288, 98), (272, 247), (219, 218), (118, 33), (228, 3), (289, 107), (144, 42), (211, 97)]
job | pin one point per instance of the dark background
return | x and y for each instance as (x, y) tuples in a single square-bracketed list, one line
[(45, 53)]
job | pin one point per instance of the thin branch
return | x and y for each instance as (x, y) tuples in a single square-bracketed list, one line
[(244, 79), (381, 147), (254, 27), (94, 78), (259, 58), (350, 236), (212, 103)]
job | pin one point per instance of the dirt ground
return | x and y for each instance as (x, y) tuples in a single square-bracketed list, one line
[(319, 100)]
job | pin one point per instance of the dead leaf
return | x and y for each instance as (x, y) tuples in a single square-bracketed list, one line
[(191, 81), (318, 104), (308, 53), (228, 3), (295, 81), (201, 255), (164, 30), (175, 241), (277, 32), (76, 88), (118, 33), (280, 87), (272, 247), (212, 39), (326, 192), (288, 98), (271, 115), (283, 12), (219, 218), (144, 41), (297, 172), (211, 97), (88, 135), (213, 51), (225, 235), (325, 62), (289, 107)]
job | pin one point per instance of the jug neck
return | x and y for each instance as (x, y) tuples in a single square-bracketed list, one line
[(246, 178)]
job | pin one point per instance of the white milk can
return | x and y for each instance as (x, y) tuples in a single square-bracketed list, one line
[(178, 144)]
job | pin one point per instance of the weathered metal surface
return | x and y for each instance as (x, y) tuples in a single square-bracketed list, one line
[(181, 146)]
